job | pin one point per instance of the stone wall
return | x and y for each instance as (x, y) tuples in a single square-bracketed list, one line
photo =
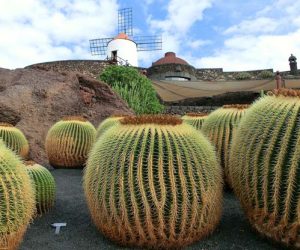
[(90, 68), (182, 110)]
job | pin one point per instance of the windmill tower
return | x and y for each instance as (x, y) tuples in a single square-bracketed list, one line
[(123, 48)]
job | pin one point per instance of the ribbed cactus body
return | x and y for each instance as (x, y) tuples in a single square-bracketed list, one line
[(106, 124), (155, 183), (16, 199), (14, 139), (195, 119), (219, 127), (69, 141), (44, 185), (265, 166)]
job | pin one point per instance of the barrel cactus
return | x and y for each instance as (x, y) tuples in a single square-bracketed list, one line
[(44, 185), (69, 141), (265, 166), (14, 139), (195, 119), (219, 127), (153, 181), (17, 199), (108, 123)]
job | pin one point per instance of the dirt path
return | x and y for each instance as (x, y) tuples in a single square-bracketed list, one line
[(80, 233)]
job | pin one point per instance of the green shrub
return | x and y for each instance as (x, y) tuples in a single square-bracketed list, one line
[(265, 74), (154, 182), (134, 88), (243, 76), (265, 166)]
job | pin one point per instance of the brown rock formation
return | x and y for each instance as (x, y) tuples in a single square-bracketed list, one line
[(34, 99)]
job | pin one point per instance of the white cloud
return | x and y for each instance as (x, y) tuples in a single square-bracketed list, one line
[(264, 40), (259, 25), (35, 31), (180, 17)]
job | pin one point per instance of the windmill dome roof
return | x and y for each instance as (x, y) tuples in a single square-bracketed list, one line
[(170, 57), (122, 36)]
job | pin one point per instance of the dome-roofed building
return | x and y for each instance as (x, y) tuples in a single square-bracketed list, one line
[(171, 67), (170, 57)]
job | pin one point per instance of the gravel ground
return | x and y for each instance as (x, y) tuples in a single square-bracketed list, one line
[(233, 232)]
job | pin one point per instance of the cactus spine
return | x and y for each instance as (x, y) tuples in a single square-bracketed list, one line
[(44, 184), (17, 199), (106, 124), (14, 139), (195, 119), (265, 169), (219, 127), (69, 141), (161, 187)]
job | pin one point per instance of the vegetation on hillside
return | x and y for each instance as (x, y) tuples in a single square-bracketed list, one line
[(134, 88)]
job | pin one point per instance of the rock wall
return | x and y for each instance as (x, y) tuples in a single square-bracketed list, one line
[(182, 110), (34, 100), (91, 68)]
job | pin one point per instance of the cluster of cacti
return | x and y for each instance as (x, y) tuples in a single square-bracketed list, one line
[(44, 185), (195, 119), (108, 123), (69, 141), (265, 166), (16, 199), (14, 139), (219, 127), (153, 181)]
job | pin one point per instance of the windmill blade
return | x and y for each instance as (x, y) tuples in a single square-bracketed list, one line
[(99, 46), (148, 43), (125, 21)]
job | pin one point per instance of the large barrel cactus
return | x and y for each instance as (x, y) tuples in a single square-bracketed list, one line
[(153, 181), (219, 127), (16, 199), (44, 185), (265, 166), (195, 119), (108, 123), (14, 139), (69, 141)]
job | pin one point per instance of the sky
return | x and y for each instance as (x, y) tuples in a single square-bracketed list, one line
[(230, 34)]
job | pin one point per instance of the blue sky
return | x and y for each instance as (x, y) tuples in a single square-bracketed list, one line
[(232, 34)]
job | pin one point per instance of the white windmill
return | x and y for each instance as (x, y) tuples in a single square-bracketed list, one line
[(123, 48)]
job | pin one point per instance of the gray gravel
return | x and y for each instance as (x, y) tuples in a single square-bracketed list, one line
[(233, 232)]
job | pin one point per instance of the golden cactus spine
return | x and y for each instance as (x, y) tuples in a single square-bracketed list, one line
[(161, 187), (17, 199), (14, 139), (265, 169), (195, 119), (220, 127), (69, 141), (44, 185)]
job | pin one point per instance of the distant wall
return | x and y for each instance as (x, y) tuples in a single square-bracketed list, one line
[(182, 110), (90, 68)]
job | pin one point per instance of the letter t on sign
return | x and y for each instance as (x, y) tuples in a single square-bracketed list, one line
[(57, 226)]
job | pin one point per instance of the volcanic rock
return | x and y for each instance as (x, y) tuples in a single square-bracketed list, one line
[(34, 99)]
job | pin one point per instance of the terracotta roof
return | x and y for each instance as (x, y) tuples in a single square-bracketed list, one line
[(170, 57), (122, 36)]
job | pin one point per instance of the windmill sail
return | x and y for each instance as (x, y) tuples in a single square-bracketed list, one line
[(99, 46), (148, 43), (125, 21)]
